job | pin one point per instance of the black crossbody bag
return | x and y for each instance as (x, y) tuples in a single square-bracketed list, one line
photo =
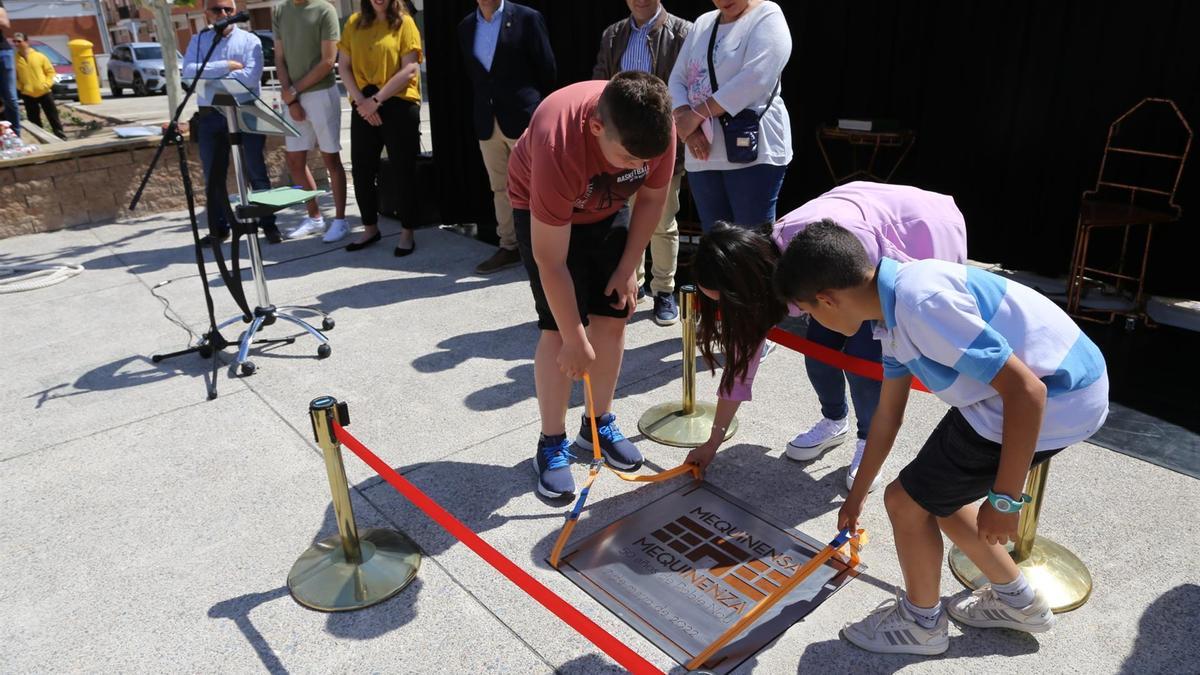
[(741, 131)]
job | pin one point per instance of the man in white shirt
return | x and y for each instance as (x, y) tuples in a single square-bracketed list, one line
[(239, 57)]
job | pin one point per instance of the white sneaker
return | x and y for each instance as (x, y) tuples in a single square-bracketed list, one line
[(338, 229), (859, 446), (824, 435), (306, 227), (985, 609), (892, 630)]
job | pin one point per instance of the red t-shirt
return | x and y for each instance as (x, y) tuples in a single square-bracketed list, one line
[(557, 171)]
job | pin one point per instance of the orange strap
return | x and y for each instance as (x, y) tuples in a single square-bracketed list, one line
[(839, 544), (597, 462)]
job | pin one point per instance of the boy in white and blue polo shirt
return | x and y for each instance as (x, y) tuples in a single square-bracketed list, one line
[(1024, 383)]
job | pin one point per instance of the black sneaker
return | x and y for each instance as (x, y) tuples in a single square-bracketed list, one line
[(666, 310), (552, 461), (617, 450)]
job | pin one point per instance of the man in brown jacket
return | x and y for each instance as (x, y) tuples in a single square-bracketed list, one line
[(649, 40)]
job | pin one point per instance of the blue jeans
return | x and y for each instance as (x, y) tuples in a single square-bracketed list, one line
[(829, 382), (744, 197), (214, 157), (8, 88)]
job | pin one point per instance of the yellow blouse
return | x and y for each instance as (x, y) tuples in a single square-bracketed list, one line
[(375, 53)]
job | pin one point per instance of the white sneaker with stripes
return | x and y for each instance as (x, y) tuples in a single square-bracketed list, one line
[(985, 609), (891, 630)]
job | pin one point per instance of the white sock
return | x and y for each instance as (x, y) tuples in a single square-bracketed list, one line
[(1016, 593), (927, 617)]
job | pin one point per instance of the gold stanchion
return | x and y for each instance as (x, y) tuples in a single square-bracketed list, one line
[(1048, 566), (689, 424), (346, 571)]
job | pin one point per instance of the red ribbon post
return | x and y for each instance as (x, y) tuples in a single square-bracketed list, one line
[(620, 653)]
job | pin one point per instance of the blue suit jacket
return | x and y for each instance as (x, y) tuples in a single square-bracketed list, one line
[(523, 70)]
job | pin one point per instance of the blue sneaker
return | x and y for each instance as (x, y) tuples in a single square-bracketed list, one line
[(666, 310), (553, 464), (616, 449)]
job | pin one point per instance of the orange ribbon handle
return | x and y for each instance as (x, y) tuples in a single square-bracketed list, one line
[(845, 538), (597, 462)]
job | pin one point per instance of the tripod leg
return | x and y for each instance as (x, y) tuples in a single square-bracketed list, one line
[(163, 357)]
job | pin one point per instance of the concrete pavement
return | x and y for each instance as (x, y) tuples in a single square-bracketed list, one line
[(148, 529)]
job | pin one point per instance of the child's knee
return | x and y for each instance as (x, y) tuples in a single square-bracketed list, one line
[(608, 326), (900, 506)]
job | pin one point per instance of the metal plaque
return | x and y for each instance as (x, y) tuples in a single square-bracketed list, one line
[(683, 569)]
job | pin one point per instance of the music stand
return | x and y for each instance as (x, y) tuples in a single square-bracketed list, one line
[(245, 112)]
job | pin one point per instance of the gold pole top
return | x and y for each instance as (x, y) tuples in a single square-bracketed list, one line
[(322, 403)]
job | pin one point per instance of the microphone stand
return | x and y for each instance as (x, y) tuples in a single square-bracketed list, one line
[(212, 342)]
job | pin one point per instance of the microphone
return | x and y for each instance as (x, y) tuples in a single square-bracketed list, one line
[(220, 26)]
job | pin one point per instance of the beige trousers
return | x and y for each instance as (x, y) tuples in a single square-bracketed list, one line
[(496, 151), (664, 244)]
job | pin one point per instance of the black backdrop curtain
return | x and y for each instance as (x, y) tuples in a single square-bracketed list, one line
[(1010, 102)]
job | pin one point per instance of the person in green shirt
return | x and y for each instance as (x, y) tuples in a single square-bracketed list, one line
[(306, 37)]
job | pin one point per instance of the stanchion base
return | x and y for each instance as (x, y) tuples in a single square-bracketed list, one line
[(322, 579), (1050, 568), (667, 424)]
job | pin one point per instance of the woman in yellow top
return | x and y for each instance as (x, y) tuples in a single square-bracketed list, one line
[(379, 57)]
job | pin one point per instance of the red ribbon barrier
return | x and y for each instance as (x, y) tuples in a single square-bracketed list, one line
[(620, 653), (832, 357)]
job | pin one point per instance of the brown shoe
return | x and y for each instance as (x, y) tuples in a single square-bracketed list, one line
[(502, 259)]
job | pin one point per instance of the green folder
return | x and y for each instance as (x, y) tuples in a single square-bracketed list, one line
[(283, 197)]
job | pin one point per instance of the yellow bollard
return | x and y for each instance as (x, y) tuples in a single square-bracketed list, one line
[(1048, 566), (686, 424), (86, 78)]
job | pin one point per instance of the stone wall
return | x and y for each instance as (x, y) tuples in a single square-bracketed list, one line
[(84, 182)]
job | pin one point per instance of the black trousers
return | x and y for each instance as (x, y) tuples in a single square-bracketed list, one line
[(400, 133), (45, 103)]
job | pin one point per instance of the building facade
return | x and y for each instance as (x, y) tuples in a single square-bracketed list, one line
[(129, 23), (57, 22)]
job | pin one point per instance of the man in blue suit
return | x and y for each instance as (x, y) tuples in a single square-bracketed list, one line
[(507, 52)]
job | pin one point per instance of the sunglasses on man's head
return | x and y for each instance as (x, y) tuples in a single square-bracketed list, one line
[(221, 10)]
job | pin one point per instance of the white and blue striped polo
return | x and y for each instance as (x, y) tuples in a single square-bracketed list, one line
[(954, 327), (637, 52)]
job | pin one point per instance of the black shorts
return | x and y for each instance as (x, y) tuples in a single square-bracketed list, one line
[(955, 467), (592, 257)]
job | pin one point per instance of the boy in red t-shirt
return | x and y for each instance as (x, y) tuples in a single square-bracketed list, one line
[(589, 148)]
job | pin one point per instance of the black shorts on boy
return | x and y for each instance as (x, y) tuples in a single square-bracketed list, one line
[(955, 467), (593, 254)]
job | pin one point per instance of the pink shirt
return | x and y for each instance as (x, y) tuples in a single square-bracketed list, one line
[(558, 172), (892, 221)]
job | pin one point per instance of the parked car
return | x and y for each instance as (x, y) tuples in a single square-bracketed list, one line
[(64, 74), (138, 66)]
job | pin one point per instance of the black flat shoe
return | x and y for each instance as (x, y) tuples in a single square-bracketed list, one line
[(359, 245), (272, 234), (208, 239), (401, 252)]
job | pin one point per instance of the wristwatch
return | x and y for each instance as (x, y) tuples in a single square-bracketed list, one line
[(1006, 504)]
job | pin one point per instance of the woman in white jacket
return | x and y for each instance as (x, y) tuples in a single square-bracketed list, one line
[(749, 49)]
